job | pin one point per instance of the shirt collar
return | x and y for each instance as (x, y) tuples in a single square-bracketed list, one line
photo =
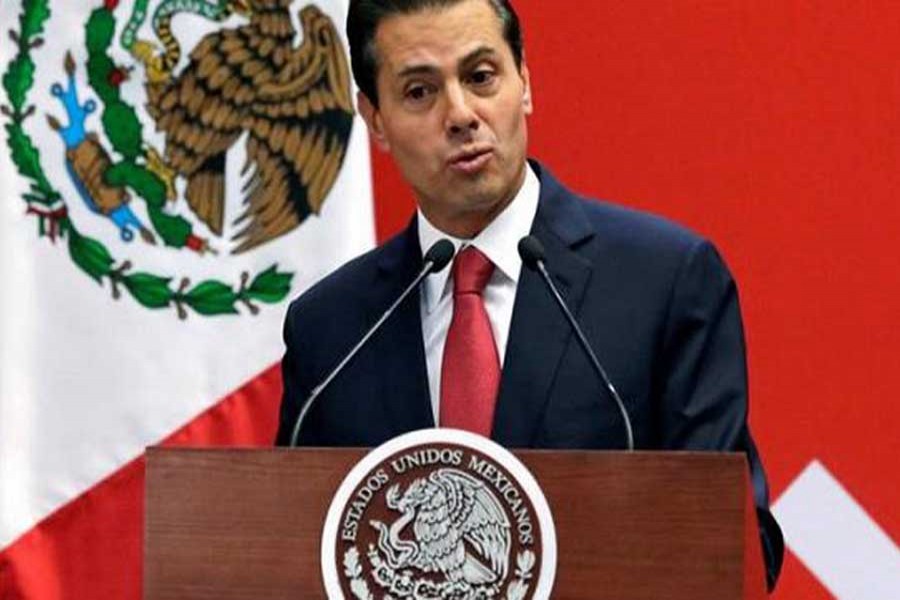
[(498, 241)]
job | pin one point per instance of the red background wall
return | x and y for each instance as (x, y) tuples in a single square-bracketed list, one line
[(771, 127)]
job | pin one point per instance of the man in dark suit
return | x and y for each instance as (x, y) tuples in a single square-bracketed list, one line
[(444, 88)]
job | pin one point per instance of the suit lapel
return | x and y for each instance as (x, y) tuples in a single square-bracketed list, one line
[(539, 332), (403, 374)]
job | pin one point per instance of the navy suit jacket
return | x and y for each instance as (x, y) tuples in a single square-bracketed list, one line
[(655, 300)]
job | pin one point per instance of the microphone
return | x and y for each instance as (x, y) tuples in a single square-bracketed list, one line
[(437, 257), (532, 252)]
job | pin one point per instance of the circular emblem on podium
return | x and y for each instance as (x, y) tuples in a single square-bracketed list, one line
[(439, 514)]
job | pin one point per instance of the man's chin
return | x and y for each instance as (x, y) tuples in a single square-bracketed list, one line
[(479, 196), (488, 200)]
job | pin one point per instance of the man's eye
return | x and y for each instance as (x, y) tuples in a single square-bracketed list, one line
[(482, 77), (417, 92)]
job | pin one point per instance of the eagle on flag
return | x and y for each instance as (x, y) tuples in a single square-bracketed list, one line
[(294, 104)]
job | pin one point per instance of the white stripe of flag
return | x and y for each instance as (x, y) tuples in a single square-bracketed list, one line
[(836, 539)]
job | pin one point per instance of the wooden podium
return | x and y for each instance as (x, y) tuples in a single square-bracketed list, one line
[(246, 524)]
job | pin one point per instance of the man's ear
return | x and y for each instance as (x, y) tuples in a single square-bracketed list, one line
[(373, 120), (526, 94)]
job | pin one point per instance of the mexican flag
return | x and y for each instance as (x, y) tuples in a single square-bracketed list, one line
[(167, 184)]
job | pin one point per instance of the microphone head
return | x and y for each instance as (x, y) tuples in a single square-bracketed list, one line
[(440, 253), (531, 250)]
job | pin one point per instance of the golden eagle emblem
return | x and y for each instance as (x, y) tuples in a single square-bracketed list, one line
[(293, 102)]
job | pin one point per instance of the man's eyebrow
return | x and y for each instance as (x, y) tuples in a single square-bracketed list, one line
[(472, 57), (416, 70), (477, 54)]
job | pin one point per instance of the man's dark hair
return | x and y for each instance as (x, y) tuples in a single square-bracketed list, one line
[(365, 15)]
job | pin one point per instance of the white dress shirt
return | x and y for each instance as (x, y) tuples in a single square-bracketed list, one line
[(499, 242)]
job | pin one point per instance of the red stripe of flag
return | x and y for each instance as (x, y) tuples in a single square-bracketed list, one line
[(92, 547)]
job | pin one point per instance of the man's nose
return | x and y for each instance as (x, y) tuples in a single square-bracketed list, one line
[(460, 117)]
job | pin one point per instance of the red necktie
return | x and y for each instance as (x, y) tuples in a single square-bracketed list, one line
[(470, 372)]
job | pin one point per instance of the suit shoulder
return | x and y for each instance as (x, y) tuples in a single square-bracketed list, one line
[(622, 224), (649, 242), (626, 229), (339, 287)]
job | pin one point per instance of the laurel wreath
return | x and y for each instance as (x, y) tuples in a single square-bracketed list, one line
[(524, 564), (517, 589), (353, 571), (209, 297)]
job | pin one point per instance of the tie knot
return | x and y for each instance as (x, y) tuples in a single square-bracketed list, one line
[(471, 271)]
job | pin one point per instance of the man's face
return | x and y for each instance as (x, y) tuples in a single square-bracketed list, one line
[(452, 108)]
